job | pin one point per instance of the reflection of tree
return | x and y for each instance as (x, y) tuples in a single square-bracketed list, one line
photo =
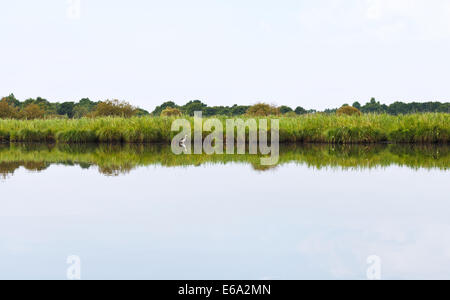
[(261, 168), (115, 170), (8, 168), (36, 165)]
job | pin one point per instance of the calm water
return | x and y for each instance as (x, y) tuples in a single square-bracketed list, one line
[(139, 212)]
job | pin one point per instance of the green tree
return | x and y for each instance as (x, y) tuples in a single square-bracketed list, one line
[(373, 107), (114, 108), (11, 100), (445, 108), (171, 112), (239, 110), (159, 109), (213, 111), (357, 105), (141, 112), (80, 111), (348, 110), (300, 111), (83, 108), (32, 111), (398, 108), (66, 108), (263, 109), (192, 106), (285, 109), (7, 110), (87, 102)]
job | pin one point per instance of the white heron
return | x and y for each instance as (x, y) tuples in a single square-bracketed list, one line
[(183, 141)]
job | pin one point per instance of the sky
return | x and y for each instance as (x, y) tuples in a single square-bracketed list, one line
[(315, 54)]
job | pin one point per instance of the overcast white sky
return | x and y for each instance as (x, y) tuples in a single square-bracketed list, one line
[(315, 54)]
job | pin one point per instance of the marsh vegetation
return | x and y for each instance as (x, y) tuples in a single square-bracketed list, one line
[(312, 128)]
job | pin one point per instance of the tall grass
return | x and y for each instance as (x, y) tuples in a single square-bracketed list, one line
[(317, 128)]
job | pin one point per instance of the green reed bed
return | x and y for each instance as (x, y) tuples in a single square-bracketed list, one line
[(317, 128)]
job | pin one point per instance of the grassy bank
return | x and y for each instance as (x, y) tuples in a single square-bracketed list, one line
[(317, 128)]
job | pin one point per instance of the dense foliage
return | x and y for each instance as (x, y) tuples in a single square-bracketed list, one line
[(171, 112), (11, 108), (348, 110), (196, 105), (311, 128), (114, 108), (373, 106), (399, 108), (262, 109)]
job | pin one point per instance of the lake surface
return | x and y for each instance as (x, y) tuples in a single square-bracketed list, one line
[(140, 212)]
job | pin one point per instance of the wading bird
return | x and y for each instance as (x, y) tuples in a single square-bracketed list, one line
[(183, 141)]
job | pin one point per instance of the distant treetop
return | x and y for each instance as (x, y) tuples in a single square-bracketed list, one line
[(12, 108)]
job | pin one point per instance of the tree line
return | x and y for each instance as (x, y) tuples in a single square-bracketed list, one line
[(401, 108), (12, 108), (372, 106)]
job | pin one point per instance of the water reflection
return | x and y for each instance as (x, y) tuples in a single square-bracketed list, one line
[(319, 215), (113, 160)]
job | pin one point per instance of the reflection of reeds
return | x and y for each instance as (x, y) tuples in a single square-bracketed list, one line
[(118, 159), (317, 128), (8, 168)]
